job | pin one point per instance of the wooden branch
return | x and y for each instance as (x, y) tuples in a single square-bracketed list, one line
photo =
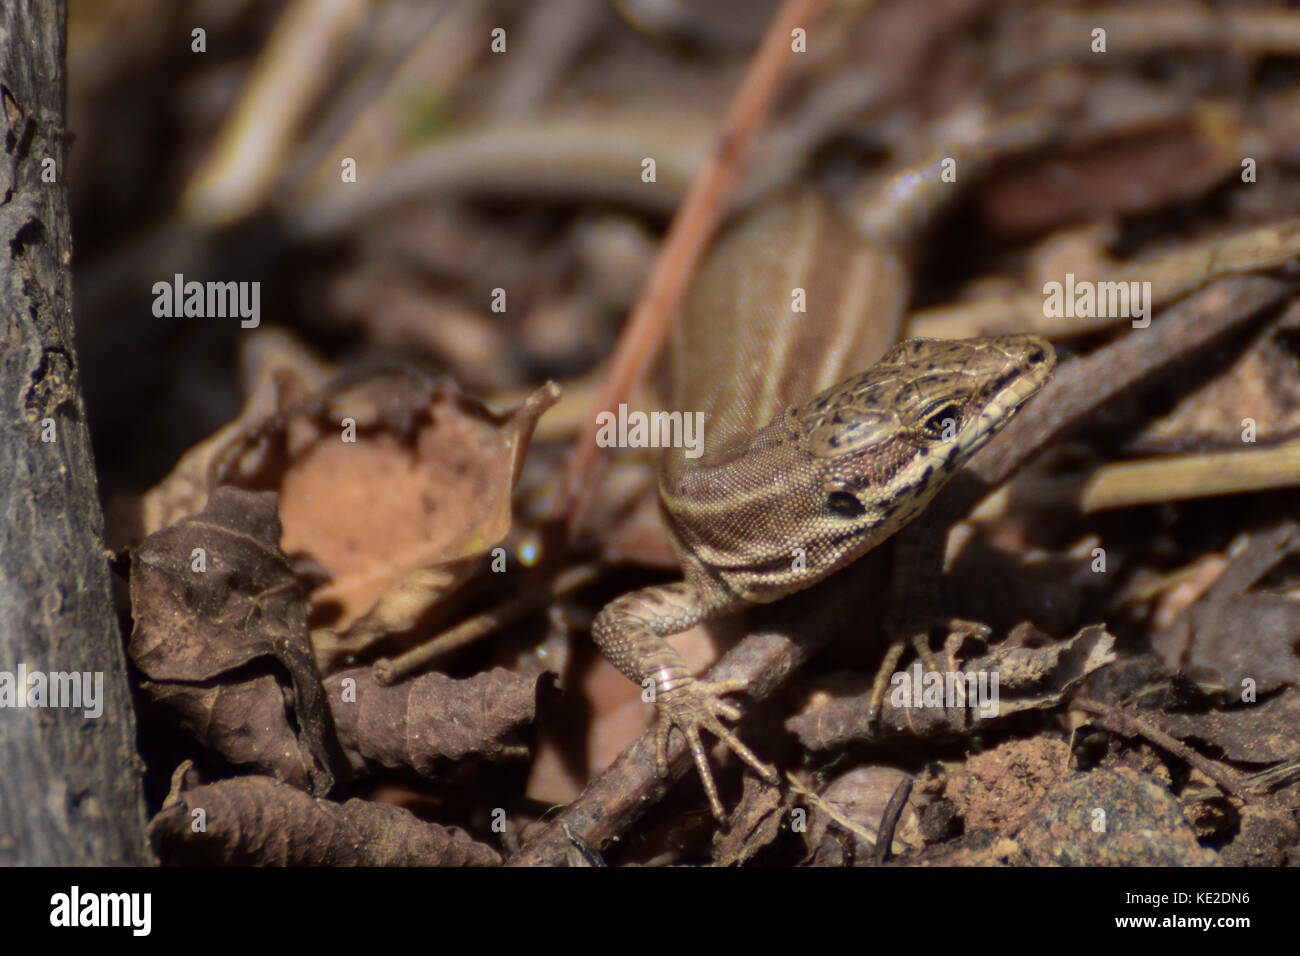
[(71, 791)]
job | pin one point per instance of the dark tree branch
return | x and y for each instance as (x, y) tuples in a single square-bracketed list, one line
[(70, 790)]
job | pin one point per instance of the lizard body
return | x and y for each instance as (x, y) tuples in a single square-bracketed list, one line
[(801, 474)]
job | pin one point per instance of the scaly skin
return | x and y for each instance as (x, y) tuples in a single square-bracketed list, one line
[(762, 515)]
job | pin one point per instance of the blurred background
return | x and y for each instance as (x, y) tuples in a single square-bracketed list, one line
[(478, 170)]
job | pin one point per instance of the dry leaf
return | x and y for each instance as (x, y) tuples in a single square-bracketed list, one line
[(1253, 733), (391, 487), (259, 821), (754, 823), (433, 719), (399, 517), (212, 596)]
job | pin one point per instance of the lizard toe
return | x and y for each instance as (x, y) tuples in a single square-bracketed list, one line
[(696, 708)]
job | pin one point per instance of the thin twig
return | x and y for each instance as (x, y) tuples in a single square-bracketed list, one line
[(889, 819), (687, 237), (389, 671), (1121, 722)]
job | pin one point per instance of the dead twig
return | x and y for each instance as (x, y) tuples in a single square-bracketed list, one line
[(687, 238), (1129, 725)]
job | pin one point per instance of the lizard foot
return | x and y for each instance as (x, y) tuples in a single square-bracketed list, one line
[(696, 706), (957, 630)]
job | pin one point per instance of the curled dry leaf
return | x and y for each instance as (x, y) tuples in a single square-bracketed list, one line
[(391, 486), (399, 517), (260, 821), (1028, 678), (426, 722), (754, 823), (213, 598)]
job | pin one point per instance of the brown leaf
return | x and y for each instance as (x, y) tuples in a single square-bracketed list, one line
[(210, 596), (246, 723), (1254, 733), (260, 821), (845, 818), (1263, 379), (391, 487), (425, 722), (1233, 635), (397, 518), (1127, 174)]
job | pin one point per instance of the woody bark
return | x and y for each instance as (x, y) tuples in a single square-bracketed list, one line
[(70, 784)]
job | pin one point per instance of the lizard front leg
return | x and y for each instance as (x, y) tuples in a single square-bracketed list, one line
[(630, 632), (916, 599)]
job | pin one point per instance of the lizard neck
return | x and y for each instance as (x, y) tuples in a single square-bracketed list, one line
[(753, 514)]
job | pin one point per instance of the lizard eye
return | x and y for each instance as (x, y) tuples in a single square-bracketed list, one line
[(845, 504), (940, 421)]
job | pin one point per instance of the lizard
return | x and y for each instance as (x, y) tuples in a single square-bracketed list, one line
[(797, 478)]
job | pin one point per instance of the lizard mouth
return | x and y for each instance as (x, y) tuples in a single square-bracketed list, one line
[(1023, 379)]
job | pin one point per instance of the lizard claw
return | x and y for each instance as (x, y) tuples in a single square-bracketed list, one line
[(697, 706), (918, 636)]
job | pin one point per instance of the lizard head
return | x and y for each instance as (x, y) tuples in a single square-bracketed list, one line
[(924, 408), (886, 440), (858, 461)]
